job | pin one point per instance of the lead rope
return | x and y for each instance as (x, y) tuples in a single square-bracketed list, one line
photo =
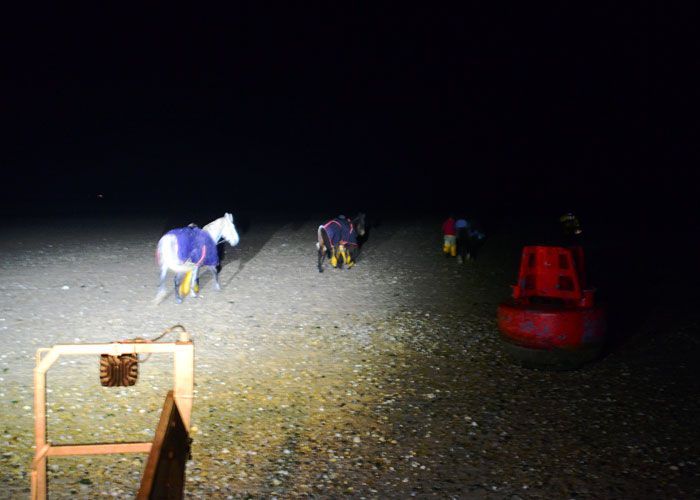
[(148, 356), (148, 341), (168, 331)]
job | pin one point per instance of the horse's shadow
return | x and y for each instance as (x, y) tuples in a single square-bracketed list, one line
[(252, 244)]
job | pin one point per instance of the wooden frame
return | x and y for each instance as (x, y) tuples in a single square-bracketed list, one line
[(183, 390)]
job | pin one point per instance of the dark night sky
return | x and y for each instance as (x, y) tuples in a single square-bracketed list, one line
[(431, 107)]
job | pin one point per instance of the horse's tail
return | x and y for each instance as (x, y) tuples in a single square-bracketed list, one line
[(324, 240), (323, 245), (168, 258)]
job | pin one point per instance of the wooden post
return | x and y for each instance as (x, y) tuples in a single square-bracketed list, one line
[(183, 368), (38, 476)]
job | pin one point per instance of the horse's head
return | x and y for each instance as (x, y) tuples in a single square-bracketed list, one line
[(359, 223), (228, 230)]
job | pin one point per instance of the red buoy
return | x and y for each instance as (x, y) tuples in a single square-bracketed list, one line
[(552, 319)]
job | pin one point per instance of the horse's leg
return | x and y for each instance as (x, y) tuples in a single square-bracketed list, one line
[(341, 257), (161, 288), (351, 254), (163, 274), (178, 280), (194, 284), (321, 255), (322, 237), (215, 274)]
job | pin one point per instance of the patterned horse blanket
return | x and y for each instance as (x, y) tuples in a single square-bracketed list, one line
[(341, 232), (195, 245)]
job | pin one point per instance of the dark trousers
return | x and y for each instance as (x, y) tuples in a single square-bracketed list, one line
[(462, 243)]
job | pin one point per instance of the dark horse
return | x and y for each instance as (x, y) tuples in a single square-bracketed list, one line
[(338, 239)]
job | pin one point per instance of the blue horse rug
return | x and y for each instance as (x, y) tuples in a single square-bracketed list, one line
[(195, 245), (340, 231)]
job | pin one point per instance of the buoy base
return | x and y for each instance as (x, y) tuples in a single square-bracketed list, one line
[(551, 336)]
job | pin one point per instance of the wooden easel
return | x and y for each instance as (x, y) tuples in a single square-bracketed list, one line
[(179, 408)]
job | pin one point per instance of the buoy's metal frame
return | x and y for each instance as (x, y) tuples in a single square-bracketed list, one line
[(183, 390)]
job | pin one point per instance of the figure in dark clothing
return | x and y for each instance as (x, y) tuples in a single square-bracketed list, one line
[(475, 240), (462, 228)]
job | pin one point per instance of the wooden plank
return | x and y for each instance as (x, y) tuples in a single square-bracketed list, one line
[(98, 448), (164, 475)]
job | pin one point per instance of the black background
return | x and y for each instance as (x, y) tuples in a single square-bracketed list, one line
[(343, 107)]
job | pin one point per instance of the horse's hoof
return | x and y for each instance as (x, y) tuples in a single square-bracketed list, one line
[(159, 297)]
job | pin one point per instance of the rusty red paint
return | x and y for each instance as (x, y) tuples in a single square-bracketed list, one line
[(549, 327), (551, 310)]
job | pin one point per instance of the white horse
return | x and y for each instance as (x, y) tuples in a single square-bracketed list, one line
[(186, 249)]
